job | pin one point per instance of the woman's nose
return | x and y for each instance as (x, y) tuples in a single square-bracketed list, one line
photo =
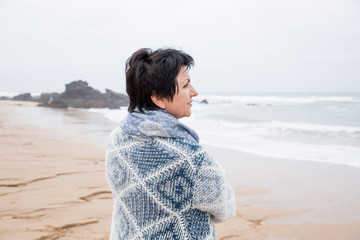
[(193, 92)]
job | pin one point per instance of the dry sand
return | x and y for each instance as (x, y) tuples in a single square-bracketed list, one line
[(53, 186)]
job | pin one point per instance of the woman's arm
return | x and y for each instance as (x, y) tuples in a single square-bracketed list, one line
[(213, 193)]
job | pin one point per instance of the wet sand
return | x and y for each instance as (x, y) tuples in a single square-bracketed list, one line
[(281, 199), (53, 184)]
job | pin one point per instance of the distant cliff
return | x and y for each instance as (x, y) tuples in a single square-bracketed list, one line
[(79, 94)]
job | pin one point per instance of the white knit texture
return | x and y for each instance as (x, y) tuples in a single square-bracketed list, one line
[(167, 188)]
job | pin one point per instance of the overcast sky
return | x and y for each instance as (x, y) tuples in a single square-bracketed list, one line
[(238, 45)]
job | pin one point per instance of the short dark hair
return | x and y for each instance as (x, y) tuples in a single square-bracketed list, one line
[(153, 72)]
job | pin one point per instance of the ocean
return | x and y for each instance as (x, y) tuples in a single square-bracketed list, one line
[(313, 127)]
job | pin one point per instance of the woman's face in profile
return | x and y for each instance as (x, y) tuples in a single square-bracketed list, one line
[(180, 106)]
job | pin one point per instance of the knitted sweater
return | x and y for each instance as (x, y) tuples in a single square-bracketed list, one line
[(164, 185)]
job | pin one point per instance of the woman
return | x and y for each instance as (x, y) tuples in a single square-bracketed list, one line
[(164, 184)]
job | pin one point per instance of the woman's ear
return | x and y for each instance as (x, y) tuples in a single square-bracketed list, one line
[(159, 101)]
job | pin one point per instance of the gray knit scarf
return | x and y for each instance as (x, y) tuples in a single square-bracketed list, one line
[(157, 123)]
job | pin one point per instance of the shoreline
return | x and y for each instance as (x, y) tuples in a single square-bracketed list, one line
[(278, 157), (286, 180), (94, 124), (65, 193)]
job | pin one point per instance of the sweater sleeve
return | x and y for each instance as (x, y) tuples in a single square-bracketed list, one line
[(213, 193)]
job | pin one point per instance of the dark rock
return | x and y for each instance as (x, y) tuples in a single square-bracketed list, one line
[(23, 97), (5, 98), (79, 89), (52, 100), (117, 99), (79, 95), (204, 101), (116, 96)]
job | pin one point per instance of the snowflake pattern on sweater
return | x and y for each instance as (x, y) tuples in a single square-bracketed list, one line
[(165, 188)]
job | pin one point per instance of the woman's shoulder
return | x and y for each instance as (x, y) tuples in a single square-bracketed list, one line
[(189, 147), (118, 138), (192, 150)]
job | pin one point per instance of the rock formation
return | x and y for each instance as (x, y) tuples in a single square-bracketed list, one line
[(52, 100), (23, 97), (79, 94)]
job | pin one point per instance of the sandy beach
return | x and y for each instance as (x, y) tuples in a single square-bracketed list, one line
[(53, 184)]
